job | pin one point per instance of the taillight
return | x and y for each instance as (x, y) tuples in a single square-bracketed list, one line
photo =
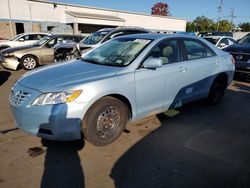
[(233, 61)]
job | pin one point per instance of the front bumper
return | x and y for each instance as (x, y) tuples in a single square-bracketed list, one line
[(9, 63), (54, 122), (242, 66)]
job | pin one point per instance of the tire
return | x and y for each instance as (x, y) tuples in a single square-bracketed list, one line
[(217, 90), (104, 121), (29, 62)]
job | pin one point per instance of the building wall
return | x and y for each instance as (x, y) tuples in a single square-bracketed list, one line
[(5, 30), (53, 15)]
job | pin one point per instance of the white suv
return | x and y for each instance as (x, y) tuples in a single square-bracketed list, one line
[(22, 39)]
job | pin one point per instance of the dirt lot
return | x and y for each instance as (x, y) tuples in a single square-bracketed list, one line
[(195, 146)]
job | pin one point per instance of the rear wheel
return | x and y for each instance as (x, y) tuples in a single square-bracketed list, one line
[(217, 90), (105, 121), (29, 62)]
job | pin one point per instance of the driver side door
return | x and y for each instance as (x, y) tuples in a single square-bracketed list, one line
[(156, 88)]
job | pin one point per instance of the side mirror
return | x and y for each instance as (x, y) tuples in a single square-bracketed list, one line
[(21, 40), (152, 63)]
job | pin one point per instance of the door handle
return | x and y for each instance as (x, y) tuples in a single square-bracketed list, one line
[(182, 69), (216, 62)]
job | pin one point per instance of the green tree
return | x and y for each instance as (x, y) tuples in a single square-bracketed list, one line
[(245, 26), (224, 26), (203, 24), (190, 27)]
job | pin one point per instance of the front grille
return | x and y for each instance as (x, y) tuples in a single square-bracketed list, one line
[(243, 57), (18, 97)]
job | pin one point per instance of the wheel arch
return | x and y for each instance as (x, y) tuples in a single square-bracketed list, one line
[(125, 100), (222, 76), (37, 58)]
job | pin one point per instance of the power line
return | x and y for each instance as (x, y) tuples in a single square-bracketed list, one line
[(219, 14), (232, 17)]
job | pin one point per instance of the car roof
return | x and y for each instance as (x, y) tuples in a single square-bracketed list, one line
[(217, 37), (36, 33), (64, 35), (154, 36), (106, 29), (123, 28)]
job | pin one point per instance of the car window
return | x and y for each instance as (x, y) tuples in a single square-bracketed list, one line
[(94, 38), (118, 52), (76, 39), (245, 40), (168, 51), (62, 39), (224, 40), (231, 41), (51, 43), (36, 37), (131, 32), (26, 37), (196, 50), (212, 40)]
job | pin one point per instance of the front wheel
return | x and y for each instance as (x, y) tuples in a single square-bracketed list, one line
[(105, 121), (29, 62)]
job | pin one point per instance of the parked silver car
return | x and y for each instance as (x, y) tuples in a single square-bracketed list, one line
[(124, 79), (221, 41)]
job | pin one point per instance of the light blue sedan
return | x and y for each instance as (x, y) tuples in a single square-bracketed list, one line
[(124, 79)]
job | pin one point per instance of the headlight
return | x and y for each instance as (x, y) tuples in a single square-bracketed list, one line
[(56, 98), (8, 55)]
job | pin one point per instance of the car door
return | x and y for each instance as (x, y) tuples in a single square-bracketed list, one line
[(157, 88), (200, 68), (47, 52)]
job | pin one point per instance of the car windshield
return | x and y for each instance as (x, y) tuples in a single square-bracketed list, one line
[(94, 38), (118, 52), (245, 40), (42, 41), (212, 40), (17, 36)]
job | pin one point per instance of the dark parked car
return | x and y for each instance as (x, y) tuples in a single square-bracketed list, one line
[(69, 50), (241, 54)]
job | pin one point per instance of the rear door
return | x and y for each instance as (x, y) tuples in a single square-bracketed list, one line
[(200, 69)]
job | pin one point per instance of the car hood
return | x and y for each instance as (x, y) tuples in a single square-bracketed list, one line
[(245, 48), (6, 43), (64, 76), (15, 49)]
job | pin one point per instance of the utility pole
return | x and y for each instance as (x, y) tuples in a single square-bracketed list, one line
[(10, 21), (219, 14), (232, 17)]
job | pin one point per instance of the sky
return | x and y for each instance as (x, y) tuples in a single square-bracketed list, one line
[(187, 9)]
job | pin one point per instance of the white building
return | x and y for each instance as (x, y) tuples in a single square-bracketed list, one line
[(41, 15)]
